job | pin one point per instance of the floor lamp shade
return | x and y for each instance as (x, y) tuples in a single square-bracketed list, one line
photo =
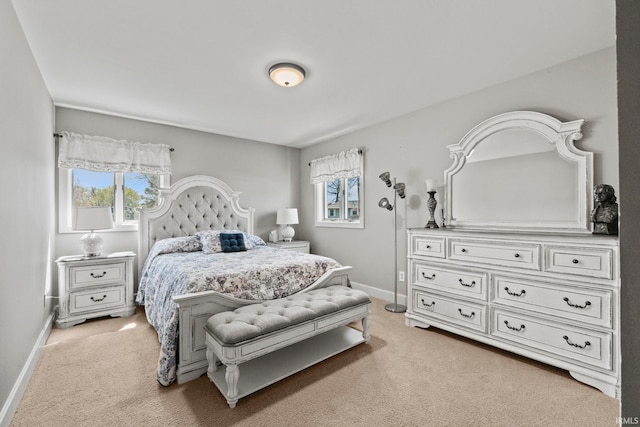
[(287, 217), (91, 219)]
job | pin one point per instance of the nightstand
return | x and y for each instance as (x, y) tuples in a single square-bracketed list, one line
[(91, 287), (294, 245)]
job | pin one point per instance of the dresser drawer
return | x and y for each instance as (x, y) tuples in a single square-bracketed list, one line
[(97, 275), (502, 254), (578, 344), (95, 300), (582, 261), (452, 311), (427, 246), (458, 281), (584, 305)]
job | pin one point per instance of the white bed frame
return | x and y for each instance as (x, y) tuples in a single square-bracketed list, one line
[(194, 204)]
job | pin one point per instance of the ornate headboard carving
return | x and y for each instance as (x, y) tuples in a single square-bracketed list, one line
[(192, 204)]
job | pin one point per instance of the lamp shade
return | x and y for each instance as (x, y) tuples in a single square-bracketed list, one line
[(431, 184), (287, 216), (94, 218)]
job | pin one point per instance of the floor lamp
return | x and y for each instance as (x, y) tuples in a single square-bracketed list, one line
[(384, 203)]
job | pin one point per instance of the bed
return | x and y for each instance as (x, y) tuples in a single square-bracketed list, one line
[(181, 286)]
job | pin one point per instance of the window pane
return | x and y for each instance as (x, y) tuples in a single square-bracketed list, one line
[(333, 197), (93, 188), (353, 198), (140, 190)]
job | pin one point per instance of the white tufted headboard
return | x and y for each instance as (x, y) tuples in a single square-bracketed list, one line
[(192, 204)]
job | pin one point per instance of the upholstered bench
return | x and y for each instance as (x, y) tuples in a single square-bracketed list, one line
[(277, 338)]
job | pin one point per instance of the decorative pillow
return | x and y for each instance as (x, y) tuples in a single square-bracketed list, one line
[(211, 240), (232, 242), (251, 241)]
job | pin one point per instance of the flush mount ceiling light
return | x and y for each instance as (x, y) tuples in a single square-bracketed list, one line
[(286, 74)]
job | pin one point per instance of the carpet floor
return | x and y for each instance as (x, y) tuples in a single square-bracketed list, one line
[(103, 373)]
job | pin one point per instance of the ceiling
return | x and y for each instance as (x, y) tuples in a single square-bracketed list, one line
[(202, 64)]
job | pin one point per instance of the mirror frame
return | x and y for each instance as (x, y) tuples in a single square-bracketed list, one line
[(561, 134)]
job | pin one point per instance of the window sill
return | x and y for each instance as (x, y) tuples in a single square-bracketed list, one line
[(340, 224)]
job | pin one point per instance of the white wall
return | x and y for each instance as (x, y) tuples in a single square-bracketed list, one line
[(26, 207), (413, 148), (267, 175)]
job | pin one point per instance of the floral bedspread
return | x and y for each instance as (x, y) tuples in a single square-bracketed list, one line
[(178, 266)]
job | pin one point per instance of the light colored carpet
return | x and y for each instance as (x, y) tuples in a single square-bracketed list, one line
[(103, 373)]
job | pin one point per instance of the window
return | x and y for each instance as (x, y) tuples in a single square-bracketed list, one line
[(124, 192), (338, 187), (96, 171)]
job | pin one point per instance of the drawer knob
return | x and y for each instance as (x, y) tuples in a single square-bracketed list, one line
[(513, 328), (586, 343), (428, 246), (575, 261), (467, 285), (466, 316), (94, 299), (433, 276), (97, 276), (517, 255), (463, 250), (427, 305), (570, 304), (515, 294)]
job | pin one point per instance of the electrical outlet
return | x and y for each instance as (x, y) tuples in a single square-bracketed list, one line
[(401, 276)]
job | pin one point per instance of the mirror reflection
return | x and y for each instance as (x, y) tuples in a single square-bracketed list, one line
[(520, 171), (515, 176)]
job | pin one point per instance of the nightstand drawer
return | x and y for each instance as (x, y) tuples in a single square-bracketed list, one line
[(82, 277), (583, 345), (83, 301)]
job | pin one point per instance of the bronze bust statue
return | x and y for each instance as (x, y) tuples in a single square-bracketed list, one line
[(605, 212)]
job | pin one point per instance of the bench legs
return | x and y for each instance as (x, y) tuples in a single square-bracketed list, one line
[(231, 376), (366, 323)]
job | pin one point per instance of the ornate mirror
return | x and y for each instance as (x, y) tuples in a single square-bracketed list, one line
[(520, 171)]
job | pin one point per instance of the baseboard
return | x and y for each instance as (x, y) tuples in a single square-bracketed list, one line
[(379, 293), (11, 404)]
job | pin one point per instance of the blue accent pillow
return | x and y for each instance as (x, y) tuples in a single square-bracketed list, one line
[(232, 242)]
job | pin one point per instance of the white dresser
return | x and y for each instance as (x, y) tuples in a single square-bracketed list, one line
[(91, 287), (550, 297)]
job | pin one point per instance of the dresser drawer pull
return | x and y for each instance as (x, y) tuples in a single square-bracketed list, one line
[(517, 255), (515, 294), (94, 299), (467, 285), (428, 246), (575, 261), (586, 343), (467, 316), (97, 276), (433, 276), (513, 328), (427, 305), (586, 304), (463, 250)]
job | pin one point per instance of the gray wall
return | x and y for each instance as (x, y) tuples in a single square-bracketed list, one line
[(26, 205), (628, 17), (413, 148), (266, 174)]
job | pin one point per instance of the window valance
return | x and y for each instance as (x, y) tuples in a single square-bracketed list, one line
[(345, 164), (102, 154)]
